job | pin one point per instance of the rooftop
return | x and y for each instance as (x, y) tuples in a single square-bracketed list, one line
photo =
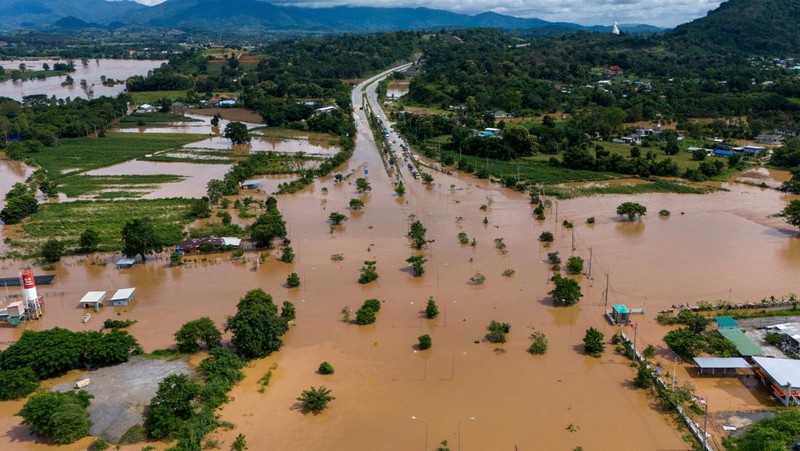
[(782, 371), (122, 294), (725, 322), (743, 344), (721, 362)]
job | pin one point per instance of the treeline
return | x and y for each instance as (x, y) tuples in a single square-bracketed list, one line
[(41, 120), (484, 71), (45, 354)]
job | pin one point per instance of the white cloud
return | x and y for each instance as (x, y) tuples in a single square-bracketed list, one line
[(666, 13)]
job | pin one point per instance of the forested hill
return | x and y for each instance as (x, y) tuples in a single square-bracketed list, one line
[(768, 27)]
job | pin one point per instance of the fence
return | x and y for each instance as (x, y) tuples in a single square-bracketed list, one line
[(661, 386)]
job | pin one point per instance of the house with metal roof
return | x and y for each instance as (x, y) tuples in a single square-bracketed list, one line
[(92, 299), (122, 297), (782, 376)]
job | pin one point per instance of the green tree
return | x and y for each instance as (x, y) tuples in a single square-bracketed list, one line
[(199, 330), (52, 250), (632, 210), (356, 204), (538, 343), (400, 189), (256, 327), (566, 291), (336, 218), (594, 342), (173, 404), (366, 313), (267, 227), (89, 241), (139, 237), (791, 213), (288, 311), (416, 233), (287, 254), (237, 132), (644, 376), (315, 400), (369, 272), (497, 332), (175, 259), (575, 265), (325, 368), (777, 433), (293, 280), (20, 203), (215, 120), (58, 416), (215, 189), (17, 383), (424, 342), (431, 310), (363, 186), (417, 262), (546, 237)]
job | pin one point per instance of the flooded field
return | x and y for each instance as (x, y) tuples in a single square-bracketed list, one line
[(195, 181), (264, 144), (397, 89), (51, 86), (478, 396)]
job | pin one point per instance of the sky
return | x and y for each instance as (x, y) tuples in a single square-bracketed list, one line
[(664, 13)]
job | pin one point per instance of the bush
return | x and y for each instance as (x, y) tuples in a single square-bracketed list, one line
[(497, 332), (16, 384), (463, 238), (118, 324), (172, 405), (293, 280), (546, 237), (424, 342), (58, 416), (315, 400), (664, 213), (575, 265), (366, 314), (431, 310), (325, 368), (52, 250), (417, 263), (590, 220), (773, 338), (538, 343), (368, 272), (477, 279), (356, 204), (195, 331), (594, 342), (99, 445), (287, 254)]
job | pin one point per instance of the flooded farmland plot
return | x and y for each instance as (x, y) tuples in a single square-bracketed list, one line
[(390, 395)]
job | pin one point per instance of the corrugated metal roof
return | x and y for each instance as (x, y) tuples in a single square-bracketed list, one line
[(620, 308), (782, 371), (122, 294), (721, 362), (743, 344), (726, 321)]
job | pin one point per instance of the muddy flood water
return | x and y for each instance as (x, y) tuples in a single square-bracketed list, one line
[(478, 396), (51, 86)]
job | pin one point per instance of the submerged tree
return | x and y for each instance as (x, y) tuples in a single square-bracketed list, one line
[(632, 210), (140, 238), (237, 132)]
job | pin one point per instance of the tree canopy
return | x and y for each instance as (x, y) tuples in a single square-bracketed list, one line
[(256, 327), (632, 210), (791, 213), (566, 291), (140, 238), (58, 416)]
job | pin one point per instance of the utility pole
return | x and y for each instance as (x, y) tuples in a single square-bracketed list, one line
[(605, 292), (589, 274), (573, 238), (705, 423)]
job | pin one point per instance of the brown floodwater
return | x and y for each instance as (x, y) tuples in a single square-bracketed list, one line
[(200, 124), (196, 176), (389, 396), (264, 144), (51, 86)]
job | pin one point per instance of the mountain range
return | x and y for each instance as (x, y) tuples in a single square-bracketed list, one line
[(259, 16)]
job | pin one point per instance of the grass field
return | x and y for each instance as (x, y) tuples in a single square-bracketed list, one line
[(152, 96), (683, 159), (73, 155), (66, 221), (135, 119), (533, 169), (128, 186)]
